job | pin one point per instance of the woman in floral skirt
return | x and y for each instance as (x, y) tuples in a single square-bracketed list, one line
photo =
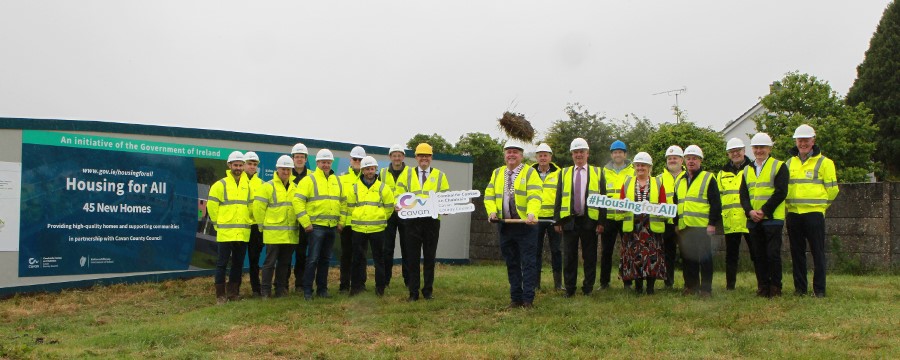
[(643, 256)]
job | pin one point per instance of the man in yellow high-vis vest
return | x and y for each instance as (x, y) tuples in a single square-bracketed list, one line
[(370, 204), (699, 210), (577, 221), (514, 193), (549, 173), (395, 226), (615, 172), (812, 188), (734, 221), (228, 206), (274, 211), (674, 171), (318, 203), (299, 154), (348, 178), (255, 246), (762, 198), (422, 234)]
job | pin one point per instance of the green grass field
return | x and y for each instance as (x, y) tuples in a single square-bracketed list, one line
[(468, 319)]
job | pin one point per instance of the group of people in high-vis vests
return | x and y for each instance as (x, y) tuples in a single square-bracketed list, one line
[(751, 199), (297, 215)]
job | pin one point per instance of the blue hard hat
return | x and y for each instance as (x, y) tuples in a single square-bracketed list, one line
[(618, 145)]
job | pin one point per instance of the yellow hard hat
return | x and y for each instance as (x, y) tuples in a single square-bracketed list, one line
[(423, 149)]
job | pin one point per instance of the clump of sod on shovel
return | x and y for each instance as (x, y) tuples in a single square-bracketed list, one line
[(516, 127)]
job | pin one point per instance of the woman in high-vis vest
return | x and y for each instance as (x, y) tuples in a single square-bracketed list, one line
[(643, 257)]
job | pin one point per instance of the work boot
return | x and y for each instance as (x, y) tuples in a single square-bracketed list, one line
[(234, 291), (557, 280), (220, 294)]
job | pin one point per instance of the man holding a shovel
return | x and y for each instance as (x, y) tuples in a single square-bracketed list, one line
[(513, 199)]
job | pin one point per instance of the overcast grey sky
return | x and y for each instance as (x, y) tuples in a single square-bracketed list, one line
[(378, 72)]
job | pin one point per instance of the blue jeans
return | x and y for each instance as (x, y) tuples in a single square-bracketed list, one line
[(321, 242), (233, 252), (518, 243)]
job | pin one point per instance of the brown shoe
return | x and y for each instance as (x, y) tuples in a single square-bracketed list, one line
[(514, 305), (528, 305), (233, 291)]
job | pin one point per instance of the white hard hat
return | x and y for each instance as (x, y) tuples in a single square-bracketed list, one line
[(358, 152), (514, 144), (543, 147), (804, 131), (251, 156), (693, 150), (235, 156), (368, 161), (284, 161), (299, 148), (734, 143), (578, 144), (761, 139), (643, 158), (675, 150), (324, 154), (396, 147)]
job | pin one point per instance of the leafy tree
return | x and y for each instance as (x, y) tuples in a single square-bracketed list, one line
[(486, 153), (878, 86), (584, 124), (438, 144), (845, 133), (683, 134)]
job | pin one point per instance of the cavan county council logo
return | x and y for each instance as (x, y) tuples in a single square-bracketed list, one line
[(83, 261), (409, 201)]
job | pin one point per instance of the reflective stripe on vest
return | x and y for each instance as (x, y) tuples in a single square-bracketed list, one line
[(762, 187), (657, 223), (693, 210)]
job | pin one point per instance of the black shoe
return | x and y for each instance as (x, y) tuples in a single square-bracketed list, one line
[(513, 305), (799, 293), (379, 291), (412, 298), (603, 287), (354, 292), (307, 297), (820, 294), (324, 294), (569, 294), (428, 297), (528, 305)]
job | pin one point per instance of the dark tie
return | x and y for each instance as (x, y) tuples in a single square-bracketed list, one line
[(579, 193), (513, 214), (423, 179)]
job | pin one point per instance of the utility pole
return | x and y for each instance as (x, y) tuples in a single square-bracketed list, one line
[(676, 109)]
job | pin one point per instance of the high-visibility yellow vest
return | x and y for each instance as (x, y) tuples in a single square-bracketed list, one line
[(255, 183), (370, 207), (734, 220), (762, 187), (614, 181), (657, 223), (693, 205), (318, 200), (273, 206), (528, 189), (347, 180), (384, 174), (548, 195), (668, 181), (595, 176), (228, 206), (812, 186), (408, 181)]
